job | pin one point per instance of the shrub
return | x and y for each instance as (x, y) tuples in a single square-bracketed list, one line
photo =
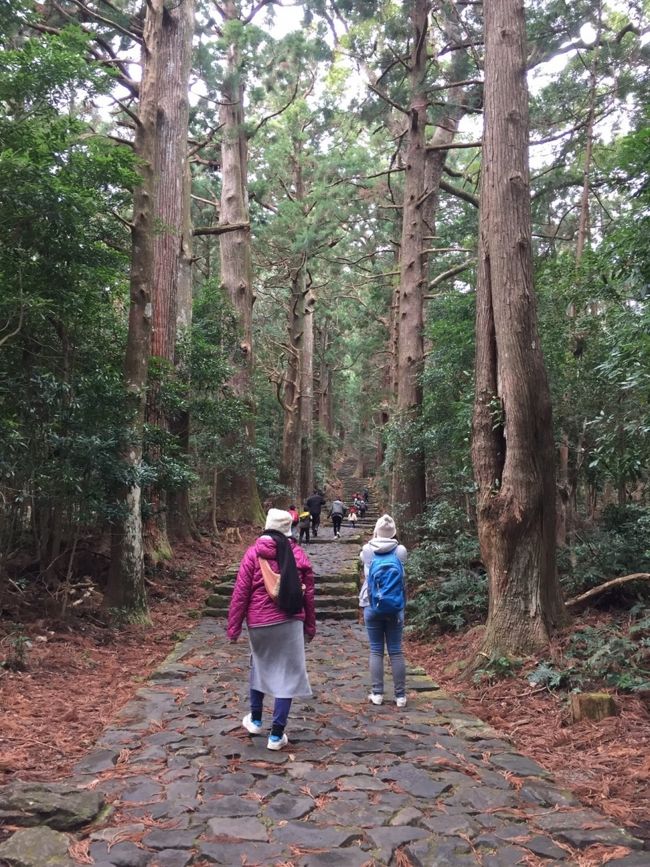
[(606, 654), (618, 545), (447, 584)]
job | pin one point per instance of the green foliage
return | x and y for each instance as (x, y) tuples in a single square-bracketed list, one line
[(448, 603), (617, 545), (547, 675), (496, 668), (612, 655), (63, 275), (16, 645), (447, 587), (609, 655)]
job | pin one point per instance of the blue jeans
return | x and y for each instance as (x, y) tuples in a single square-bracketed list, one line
[(281, 709), (386, 629)]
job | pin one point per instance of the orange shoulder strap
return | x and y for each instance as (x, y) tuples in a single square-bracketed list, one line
[(271, 579)]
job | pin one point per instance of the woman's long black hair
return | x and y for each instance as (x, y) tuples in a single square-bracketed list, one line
[(291, 597)]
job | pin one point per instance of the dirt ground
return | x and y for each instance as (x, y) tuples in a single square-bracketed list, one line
[(606, 764)]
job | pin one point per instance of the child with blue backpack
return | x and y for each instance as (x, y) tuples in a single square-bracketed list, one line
[(383, 598)]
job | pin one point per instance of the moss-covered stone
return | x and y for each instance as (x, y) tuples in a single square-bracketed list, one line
[(592, 705), (59, 805), (36, 847)]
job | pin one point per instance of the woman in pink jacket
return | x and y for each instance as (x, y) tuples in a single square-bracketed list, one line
[(277, 628)]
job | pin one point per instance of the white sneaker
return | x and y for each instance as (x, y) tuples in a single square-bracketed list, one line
[(250, 726), (276, 743), (376, 698), (400, 701)]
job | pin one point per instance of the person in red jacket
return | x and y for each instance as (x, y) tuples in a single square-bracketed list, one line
[(277, 628)]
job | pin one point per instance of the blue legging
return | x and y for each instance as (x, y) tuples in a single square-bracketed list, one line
[(281, 709)]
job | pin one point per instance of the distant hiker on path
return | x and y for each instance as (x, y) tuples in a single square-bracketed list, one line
[(337, 513), (279, 611), (383, 598), (315, 505), (304, 524)]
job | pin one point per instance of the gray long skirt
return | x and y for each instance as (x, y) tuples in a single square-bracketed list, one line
[(278, 666)]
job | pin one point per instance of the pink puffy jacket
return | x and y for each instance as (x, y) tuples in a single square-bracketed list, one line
[(250, 599)]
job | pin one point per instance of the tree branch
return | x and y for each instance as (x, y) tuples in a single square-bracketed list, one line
[(107, 21), (459, 193), (276, 113), (13, 333), (452, 84), (446, 275), (455, 145), (221, 229), (386, 98), (124, 222), (256, 8), (134, 117), (615, 582)]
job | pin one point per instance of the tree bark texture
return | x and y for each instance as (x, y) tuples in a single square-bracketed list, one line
[(323, 375), (172, 244), (512, 448), (125, 590), (238, 495), (408, 488), (290, 401), (307, 393), (305, 297), (180, 523)]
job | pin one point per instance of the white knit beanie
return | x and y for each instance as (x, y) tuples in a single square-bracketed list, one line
[(385, 528), (279, 520)]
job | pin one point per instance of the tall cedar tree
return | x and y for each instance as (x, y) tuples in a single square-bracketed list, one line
[(172, 285), (125, 590), (408, 488), (512, 447), (239, 498)]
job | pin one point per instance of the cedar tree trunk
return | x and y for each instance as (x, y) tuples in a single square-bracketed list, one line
[(172, 242), (290, 398), (179, 522), (408, 488), (125, 590), (238, 496), (512, 449)]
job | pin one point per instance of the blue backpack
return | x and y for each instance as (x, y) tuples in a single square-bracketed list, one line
[(386, 583)]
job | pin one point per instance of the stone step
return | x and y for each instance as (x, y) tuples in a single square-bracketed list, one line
[(219, 592), (327, 596), (338, 614), (345, 539), (328, 588), (330, 585), (334, 603), (215, 611), (349, 613), (343, 583)]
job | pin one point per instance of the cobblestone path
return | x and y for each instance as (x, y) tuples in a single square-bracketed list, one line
[(358, 784)]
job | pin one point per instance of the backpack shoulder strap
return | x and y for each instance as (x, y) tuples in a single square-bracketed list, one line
[(271, 578)]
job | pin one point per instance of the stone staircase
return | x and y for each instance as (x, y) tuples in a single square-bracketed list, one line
[(335, 561)]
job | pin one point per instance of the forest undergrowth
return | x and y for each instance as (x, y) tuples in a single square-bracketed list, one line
[(66, 679)]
